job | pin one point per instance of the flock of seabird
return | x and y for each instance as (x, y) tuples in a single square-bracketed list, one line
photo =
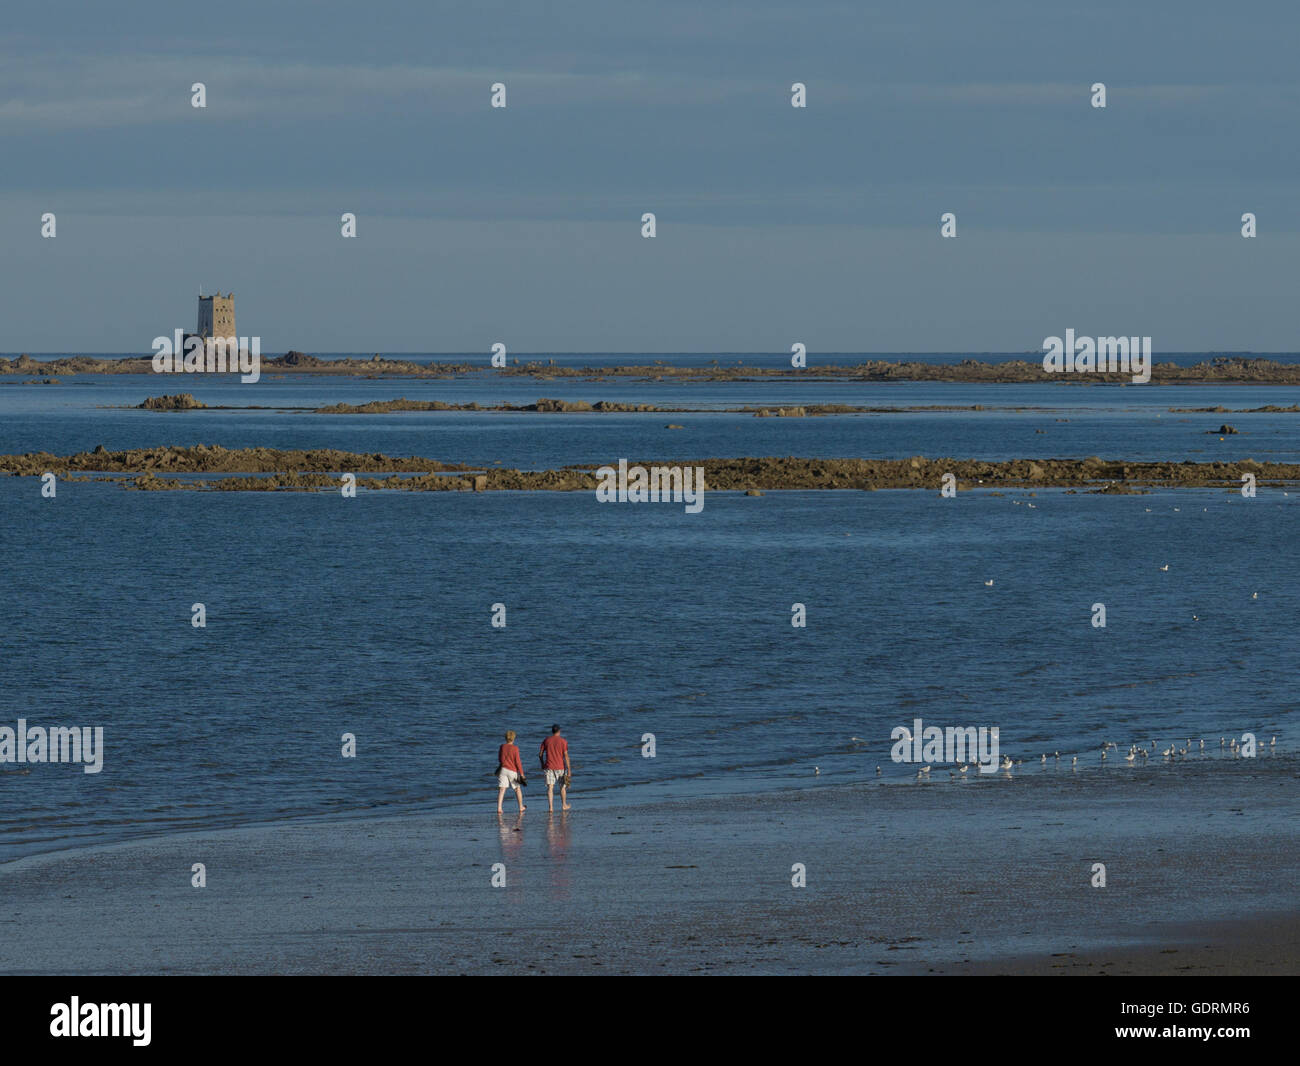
[(1134, 753)]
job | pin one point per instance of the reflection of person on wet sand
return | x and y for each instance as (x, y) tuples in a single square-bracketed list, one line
[(510, 771), (559, 877), (555, 761), (512, 838)]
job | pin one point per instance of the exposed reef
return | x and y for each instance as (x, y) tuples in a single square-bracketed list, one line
[(547, 406), (182, 401), (319, 469)]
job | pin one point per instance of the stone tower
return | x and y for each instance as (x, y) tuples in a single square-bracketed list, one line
[(217, 316)]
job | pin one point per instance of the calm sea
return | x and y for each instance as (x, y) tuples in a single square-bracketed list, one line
[(371, 616)]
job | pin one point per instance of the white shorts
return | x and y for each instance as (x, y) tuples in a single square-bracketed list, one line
[(507, 778), (555, 777)]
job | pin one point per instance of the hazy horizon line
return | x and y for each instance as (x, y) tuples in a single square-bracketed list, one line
[(684, 351)]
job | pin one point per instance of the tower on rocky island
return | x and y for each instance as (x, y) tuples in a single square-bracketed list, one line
[(217, 316)]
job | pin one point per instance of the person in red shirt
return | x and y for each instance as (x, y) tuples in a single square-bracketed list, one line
[(510, 772), (554, 754)]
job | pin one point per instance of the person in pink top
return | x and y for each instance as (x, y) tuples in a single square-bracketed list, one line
[(510, 771), (554, 754)]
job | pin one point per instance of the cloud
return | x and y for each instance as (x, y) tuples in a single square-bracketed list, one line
[(61, 92)]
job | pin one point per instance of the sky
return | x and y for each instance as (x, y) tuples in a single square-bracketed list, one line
[(774, 225)]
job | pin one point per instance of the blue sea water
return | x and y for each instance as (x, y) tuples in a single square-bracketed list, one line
[(1039, 420), (371, 616)]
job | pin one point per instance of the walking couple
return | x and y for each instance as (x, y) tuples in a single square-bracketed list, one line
[(554, 755)]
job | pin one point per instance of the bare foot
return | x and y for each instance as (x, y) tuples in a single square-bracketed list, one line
[(566, 807)]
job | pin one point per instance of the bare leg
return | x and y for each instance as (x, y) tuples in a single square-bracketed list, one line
[(550, 796), (519, 795), (501, 795), (564, 797)]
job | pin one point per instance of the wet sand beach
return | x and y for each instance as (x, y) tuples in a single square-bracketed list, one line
[(986, 875), (1265, 946)]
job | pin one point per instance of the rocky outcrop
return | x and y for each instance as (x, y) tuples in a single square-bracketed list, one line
[(296, 359), (204, 458), (182, 401), (383, 407), (561, 405), (304, 470), (552, 406)]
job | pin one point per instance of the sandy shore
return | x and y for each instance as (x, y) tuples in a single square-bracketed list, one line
[(982, 876), (1267, 945)]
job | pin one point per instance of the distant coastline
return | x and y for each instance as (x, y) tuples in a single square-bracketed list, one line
[(1215, 369)]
